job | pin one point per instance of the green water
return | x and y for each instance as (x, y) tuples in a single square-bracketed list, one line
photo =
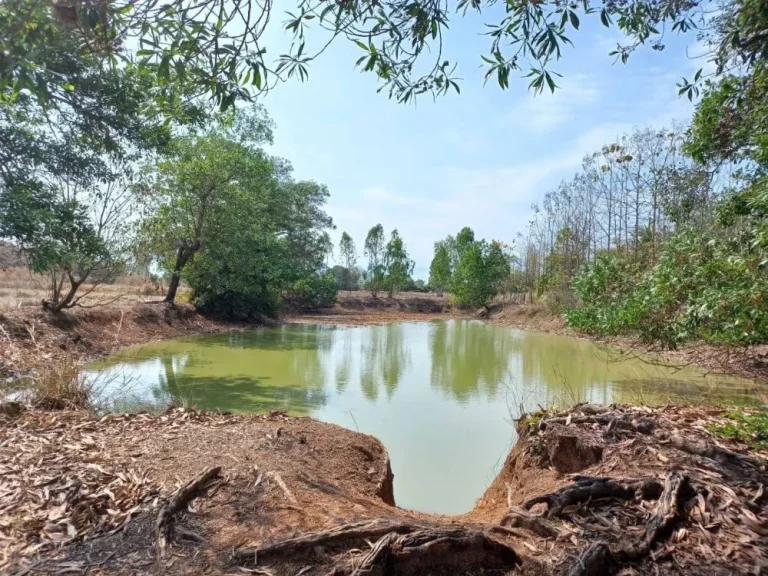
[(440, 395)]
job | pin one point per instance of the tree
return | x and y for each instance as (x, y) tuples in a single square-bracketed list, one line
[(374, 251), (66, 171), (192, 192), (440, 268), (397, 265), (218, 45), (349, 255), (480, 270)]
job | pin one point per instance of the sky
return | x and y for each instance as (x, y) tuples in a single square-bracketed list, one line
[(479, 159)]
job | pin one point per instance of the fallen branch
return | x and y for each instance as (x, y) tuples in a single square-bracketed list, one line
[(586, 488), (429, 548), (164, 523)]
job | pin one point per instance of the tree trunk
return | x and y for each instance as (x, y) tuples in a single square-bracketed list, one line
[(183, 255), (172, 288)]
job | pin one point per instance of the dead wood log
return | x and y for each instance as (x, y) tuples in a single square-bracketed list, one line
[(428, 548), (164, 523), (519, 518), (586, 488), (400, 548)]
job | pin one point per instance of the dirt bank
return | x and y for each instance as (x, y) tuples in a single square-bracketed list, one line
[(32, 338), (749, 362), (362, 309), (190, 493)]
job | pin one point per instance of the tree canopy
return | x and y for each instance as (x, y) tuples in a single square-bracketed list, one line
[(216, 47)]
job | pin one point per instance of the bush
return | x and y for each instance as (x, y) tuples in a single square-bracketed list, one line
[(227, 284), (312, 292)]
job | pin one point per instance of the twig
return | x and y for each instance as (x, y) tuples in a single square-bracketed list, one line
[(279, 481)]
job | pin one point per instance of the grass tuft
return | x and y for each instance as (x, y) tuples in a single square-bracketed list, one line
[(60, 386)]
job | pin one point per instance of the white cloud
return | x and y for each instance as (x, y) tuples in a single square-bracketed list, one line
[(546, 111)]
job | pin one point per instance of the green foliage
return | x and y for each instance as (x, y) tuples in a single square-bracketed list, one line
[(707, 284), (237, 278), (312, 292), (751, 428), (374, 251), (397, 265), (231, 220), (66, 165), (217, 46), (480, 271), (440, 268), (603, 286), (729, 121), (348, 252)]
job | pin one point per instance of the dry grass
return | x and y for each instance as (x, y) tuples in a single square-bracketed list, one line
[(19, 288), (59, 385)]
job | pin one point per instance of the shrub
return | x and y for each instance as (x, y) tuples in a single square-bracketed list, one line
[(312, 292)]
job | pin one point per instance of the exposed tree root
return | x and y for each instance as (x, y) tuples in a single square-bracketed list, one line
[(164, 523), (722, 456), (596, 560), (614, 420), (599, 558), (400, 548), (519, 518), (589, 488), (348, 533)]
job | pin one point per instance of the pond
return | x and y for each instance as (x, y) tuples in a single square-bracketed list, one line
[(441, 396)]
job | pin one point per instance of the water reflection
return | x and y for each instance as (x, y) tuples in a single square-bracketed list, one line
[(385, 359), (440, 395)]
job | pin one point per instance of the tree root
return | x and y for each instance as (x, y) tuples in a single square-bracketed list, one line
[(614, 420), (722, 456), (519, 518), (348, 533), (599, 558), (164, 523), (400, 548), (589, 488), (596, 560)]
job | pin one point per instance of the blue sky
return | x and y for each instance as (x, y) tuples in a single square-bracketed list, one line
[(477, 159)]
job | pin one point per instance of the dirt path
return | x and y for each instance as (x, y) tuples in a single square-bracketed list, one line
[(191, 493)]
